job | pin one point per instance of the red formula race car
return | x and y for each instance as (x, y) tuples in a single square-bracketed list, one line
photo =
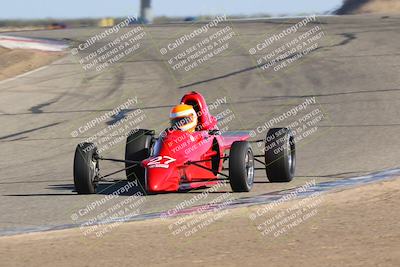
[(183, 160)]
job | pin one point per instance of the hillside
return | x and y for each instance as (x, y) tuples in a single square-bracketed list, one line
[(369, 6)]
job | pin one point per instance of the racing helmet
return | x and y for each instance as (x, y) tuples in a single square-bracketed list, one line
[(183, 117)]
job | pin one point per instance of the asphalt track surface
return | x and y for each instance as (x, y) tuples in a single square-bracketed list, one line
[(353, 75)]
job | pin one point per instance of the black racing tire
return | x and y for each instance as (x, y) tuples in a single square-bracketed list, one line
[(280, 155), (241, 167), (138, 147), (86, 168)]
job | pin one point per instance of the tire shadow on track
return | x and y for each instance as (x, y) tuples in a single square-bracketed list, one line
[(108, 188), (104, 188)]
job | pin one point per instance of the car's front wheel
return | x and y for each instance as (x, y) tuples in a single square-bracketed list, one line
[(241, 166), (280, 155), (138, 147), (86, 168)]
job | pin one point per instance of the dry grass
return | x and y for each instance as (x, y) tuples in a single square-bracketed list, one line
[(17, 61)]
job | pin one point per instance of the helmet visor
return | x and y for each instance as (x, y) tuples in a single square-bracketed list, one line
[(180, 122)]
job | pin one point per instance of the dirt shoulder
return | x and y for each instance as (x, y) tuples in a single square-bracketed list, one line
[(18, 61), (355, 227)]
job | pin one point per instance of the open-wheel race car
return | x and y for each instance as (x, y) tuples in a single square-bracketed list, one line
[(190, 154)]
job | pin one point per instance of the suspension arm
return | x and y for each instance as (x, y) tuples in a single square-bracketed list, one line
[(205, 168)]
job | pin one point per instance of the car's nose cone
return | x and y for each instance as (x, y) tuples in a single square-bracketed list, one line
[(162, 179)]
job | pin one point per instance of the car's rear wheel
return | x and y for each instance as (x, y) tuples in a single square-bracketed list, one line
[(241, 166), (280, 155), (86, 168), (138, 148)]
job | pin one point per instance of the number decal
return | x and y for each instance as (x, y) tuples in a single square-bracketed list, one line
[(160, 162), (155, 161), (170, 160)]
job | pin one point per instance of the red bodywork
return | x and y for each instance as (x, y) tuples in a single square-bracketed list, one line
[(168, 169)]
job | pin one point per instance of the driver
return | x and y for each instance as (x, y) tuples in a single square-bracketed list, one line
[(183, 117)]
